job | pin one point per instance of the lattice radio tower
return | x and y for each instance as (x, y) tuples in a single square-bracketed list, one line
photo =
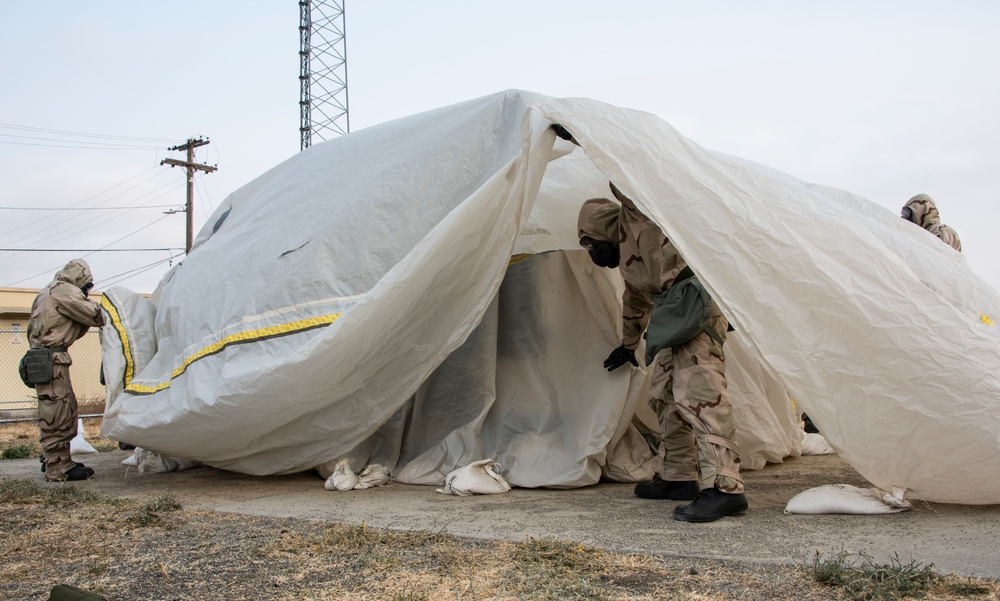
[(322, 71)]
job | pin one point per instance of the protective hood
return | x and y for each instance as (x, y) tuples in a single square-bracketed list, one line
[(925, 213), (76, 272), (598, 219)]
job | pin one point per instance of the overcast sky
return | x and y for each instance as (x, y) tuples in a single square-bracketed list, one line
[(884, 99)]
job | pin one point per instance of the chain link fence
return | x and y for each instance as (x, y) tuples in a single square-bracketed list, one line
[(18, 402)]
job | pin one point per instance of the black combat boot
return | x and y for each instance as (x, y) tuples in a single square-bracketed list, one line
[(657, 488), (79, 473), (711, 504), (42, 461)]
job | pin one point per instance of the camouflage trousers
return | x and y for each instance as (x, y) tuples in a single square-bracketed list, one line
[(57, 419), (689, 395)]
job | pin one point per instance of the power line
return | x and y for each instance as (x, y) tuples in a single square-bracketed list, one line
[(89, 250), (83, 135), (84, 208), (75, 227), (143, 148), (111, 281), (95, 144), (94, 196), (80, 223)]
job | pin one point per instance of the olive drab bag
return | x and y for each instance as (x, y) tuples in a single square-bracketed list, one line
[(680, 313), (65, 592), (36, 367)]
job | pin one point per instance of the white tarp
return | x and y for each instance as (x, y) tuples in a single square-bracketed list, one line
[(368, 299)]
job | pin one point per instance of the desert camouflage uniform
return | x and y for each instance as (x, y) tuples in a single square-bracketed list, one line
[(688, 382), (925, 214), (60, 315)]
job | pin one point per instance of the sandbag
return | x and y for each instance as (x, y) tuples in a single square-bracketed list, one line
[(844, 498), (815, 444), (151, 462), (343, 477), (372, 475), (79, 445), (477, 478)]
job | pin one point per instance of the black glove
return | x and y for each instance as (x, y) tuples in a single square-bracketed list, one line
[(620, 356), (563, 133)]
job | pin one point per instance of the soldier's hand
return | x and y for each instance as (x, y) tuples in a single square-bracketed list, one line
[(620, 356), (563, 133)]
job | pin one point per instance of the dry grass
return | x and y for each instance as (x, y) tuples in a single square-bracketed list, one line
[(20, 439), (130, 550)]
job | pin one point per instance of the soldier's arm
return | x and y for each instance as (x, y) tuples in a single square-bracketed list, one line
[(636, 308), (74, 305)]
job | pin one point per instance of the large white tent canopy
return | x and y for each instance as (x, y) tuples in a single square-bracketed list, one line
[(414, 295)]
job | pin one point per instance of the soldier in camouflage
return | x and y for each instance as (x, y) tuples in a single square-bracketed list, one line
[(60, 315), (922, 211), (688, 383)]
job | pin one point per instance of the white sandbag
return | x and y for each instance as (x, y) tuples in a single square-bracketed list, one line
[(844, 498), (477, 478), (79, 445), (130, 460), (815, 444), (151, 462), (342, 478), (373, 475)]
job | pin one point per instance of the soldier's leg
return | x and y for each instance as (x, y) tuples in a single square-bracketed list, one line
[(677, 441), (57, 419), (702, 400), (679, 472)]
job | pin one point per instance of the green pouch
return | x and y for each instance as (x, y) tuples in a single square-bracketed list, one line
[(679, 314), (36, 367), (65, 592)]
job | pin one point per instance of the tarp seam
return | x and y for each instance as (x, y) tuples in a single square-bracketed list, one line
[(257, 335)]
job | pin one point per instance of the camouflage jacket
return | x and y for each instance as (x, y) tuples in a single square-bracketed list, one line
[(649, 262)]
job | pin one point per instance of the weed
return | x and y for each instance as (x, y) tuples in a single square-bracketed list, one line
[(873, 581), (967, 587), (68, 494), (164, 502), (557, 554), (19, 491), (556, 569), (409, 596), (20, 451), (149, 515)]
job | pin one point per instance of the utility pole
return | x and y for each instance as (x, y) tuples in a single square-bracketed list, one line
[(189, 146)]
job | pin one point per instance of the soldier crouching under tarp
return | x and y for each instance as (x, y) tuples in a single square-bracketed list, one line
[(688, 388)]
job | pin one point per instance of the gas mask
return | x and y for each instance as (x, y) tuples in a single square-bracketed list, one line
[(603, 254)]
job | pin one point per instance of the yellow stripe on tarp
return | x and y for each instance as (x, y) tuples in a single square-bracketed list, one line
[(257, 335), (116, 321)]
